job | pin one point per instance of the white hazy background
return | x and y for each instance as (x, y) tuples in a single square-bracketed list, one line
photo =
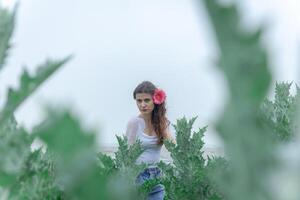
[(119, 43)]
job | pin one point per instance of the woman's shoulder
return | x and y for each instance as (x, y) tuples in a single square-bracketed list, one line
[(135, 120)]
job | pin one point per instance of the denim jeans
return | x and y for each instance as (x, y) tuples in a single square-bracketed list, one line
[(158, 191)]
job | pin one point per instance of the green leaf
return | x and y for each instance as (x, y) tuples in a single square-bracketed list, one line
[(280, 115), (127, 155), (14, 149), (63, 134), (7, 22), (37, 178), (248, 143), (107, 165), (28, 85), (187, 177), (7, 179), (242, 58)]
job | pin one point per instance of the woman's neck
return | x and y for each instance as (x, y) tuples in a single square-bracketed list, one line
[(147, 118)]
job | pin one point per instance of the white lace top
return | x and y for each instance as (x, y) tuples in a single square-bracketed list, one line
[(135, 130)]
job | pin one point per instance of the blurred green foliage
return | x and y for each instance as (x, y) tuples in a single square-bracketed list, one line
[(69, 167), (247, 143), (7, 22), (280, 115), (248, 139)]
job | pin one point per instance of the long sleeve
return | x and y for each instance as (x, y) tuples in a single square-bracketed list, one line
[(131, 131)]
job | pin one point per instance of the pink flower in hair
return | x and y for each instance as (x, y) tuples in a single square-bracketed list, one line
[(159, 96)]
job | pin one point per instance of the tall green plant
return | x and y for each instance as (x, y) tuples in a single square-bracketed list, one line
[(16, 156), (248, 143), (280, 114), (188, 176), (15, 141)]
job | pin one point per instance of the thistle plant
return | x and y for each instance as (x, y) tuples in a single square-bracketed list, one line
[(188, 176), (16, 141)]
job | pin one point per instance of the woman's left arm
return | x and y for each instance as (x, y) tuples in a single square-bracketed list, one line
[(170, 137)]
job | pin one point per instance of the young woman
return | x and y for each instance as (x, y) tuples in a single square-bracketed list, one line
[(151, 127)]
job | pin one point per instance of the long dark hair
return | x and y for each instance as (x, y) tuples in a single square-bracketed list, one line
[(159, 120)]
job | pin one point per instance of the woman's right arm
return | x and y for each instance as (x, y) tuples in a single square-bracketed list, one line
[(131, 131)]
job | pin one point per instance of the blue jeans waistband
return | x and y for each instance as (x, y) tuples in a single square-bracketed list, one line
[(153, 169), (148, 173)]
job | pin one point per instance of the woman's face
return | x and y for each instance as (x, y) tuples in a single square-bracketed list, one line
[(144, 102)]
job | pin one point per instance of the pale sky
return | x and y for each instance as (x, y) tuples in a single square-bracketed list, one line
[(119, 43)]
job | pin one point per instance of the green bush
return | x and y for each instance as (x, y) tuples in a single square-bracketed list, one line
[(188, 176), (280, 115)]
